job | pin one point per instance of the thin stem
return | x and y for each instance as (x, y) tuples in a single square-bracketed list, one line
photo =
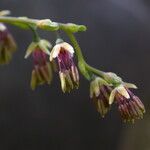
[(94, 70), (57, 35), (80, 56), (76, 46), (45, 24), (18, 20), (36, 37)]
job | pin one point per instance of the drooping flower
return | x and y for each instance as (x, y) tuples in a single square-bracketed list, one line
[(42, 71), (4, 12), (68, 72), (129, 105), (99, 92), (7, 45)]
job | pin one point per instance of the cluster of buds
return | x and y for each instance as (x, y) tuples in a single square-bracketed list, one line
[(42, 72), (7, 45), (105, 88), (103, 91), (104, 94)]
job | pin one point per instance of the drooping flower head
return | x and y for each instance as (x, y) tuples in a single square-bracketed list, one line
[(7, 45), (42, 71), (99, 92), (68, 71), (130, 106)]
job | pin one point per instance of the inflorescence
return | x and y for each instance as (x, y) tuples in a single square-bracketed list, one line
[(106, 88)]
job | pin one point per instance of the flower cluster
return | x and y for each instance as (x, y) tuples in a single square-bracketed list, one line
[(42, 72), (104, 94), (105, 88)]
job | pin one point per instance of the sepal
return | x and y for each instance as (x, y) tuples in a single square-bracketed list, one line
[(41, 75), (42, 44)]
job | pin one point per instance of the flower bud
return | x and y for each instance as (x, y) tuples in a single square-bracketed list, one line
[(42, 71), (68, 72), (112, 78), (74, 28), (130, 109), (7, 45), (100, 91)]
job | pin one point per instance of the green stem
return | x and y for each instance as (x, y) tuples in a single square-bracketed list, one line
[(36, 37), (45, 24), (76, 46), (81, 58), (96, 71), (23, 20)]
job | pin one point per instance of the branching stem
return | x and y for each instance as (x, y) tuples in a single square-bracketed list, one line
[(47, 24)]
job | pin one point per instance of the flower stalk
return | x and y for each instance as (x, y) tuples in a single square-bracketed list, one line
[(44, 24), (84, 67)]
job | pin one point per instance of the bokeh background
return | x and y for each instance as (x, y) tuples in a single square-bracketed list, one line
[(117, 39)]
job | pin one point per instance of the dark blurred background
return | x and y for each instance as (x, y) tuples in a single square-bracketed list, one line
[(117, 39)]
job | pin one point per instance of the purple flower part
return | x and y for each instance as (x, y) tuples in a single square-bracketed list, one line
[(65, 60), (3, 35), (130, 109), (68, 72), (101, 101), (39, 58), (104, 95), (75, 74)]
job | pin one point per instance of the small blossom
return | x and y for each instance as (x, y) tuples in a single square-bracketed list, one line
[(100, 91), (130, 109), (68, 72), (42, 72), (7, 45), (129, 105)]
